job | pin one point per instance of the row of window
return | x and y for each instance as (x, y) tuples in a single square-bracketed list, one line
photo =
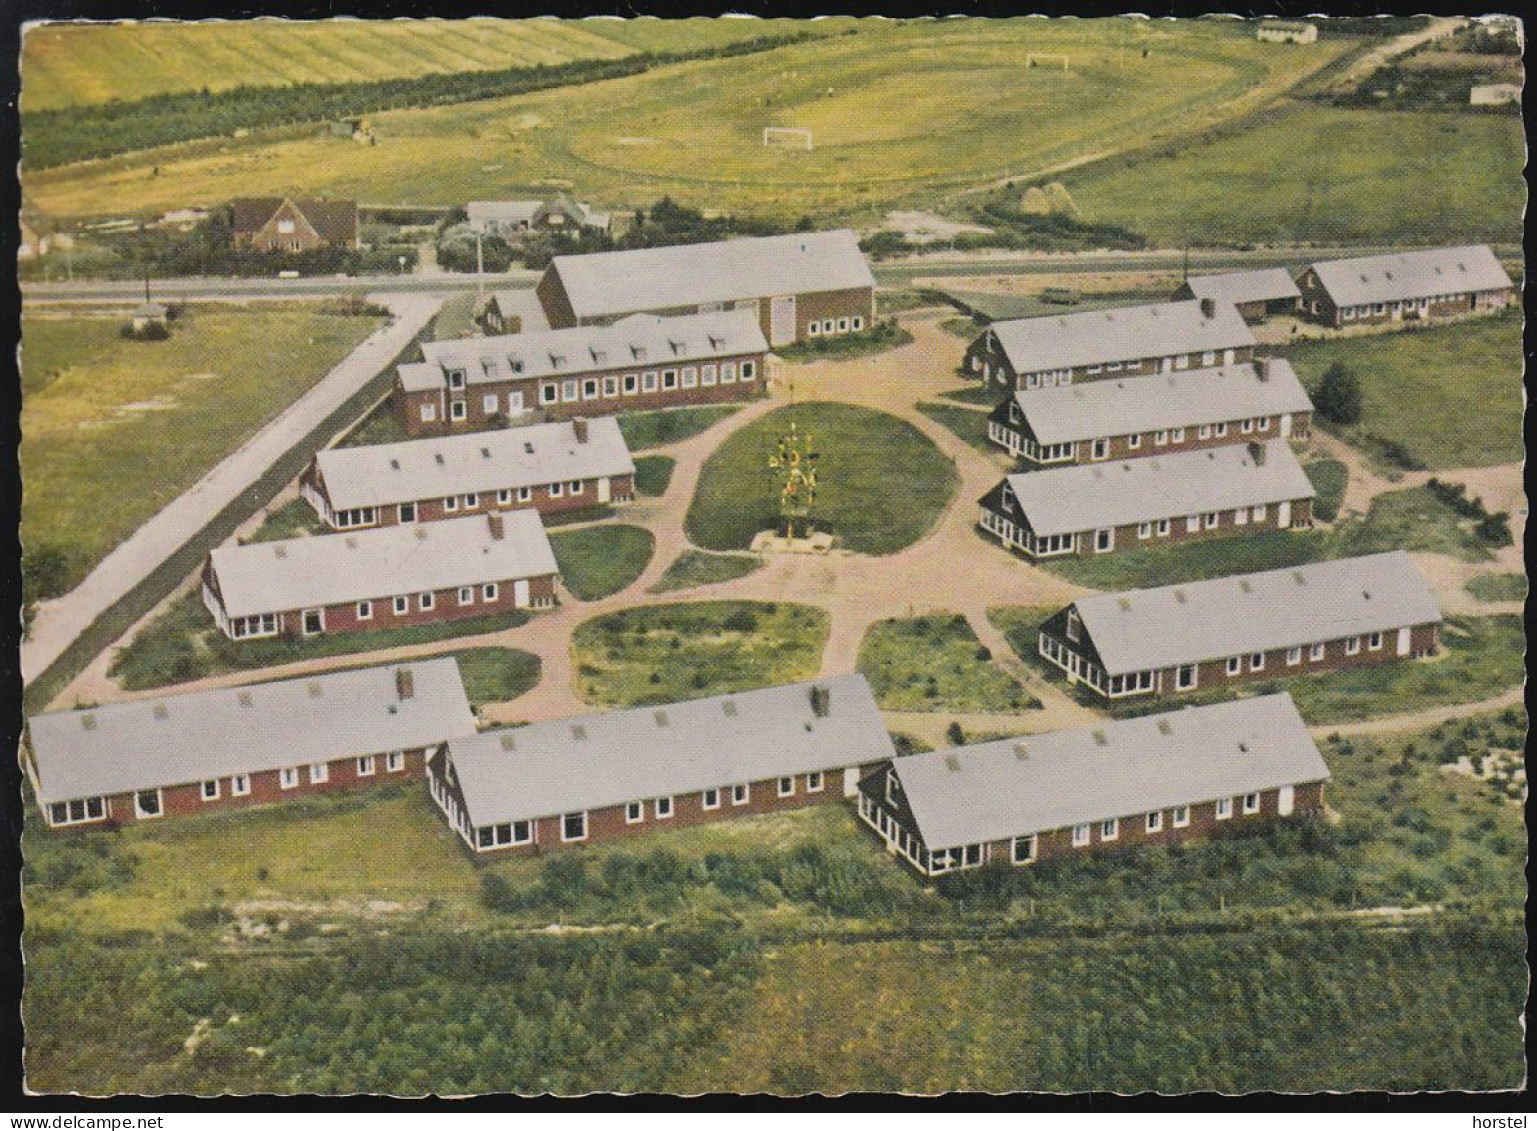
[(425, 602), (574, 389), (505, 496), (817, 329), (1110, 828), (1367, 310), (149, 803), (573, 826), (1316, 653), (1132, 683)]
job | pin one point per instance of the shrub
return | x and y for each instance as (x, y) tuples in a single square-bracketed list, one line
[(1339, 395)]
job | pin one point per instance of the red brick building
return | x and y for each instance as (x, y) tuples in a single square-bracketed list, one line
[(233, 747), (642, 362), (1416, 286), (1101, 508), (551, 468), (1257, 295), (390, 577), (1096, 345), (283, 223), (1159, 779), (623, 773), (1198, 635), (1133, 417), (797, 286)]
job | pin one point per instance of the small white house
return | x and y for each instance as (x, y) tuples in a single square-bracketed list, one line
[(1280, 31)]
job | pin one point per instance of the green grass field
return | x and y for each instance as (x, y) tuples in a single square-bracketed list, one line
[(598, 561), (694, 568), (496, 675), (1498, 587), (1451, 395), (642, 430), (936, 663), (969, 424), (64, 65), (860, 451), (113, 430), (901, 112), (664, 653), (1329, 478), (1321, 174), (294, 519), (1412, 519)]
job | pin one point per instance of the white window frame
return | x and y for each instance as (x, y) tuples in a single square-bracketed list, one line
[(1030, 846), (1181, 816), (491, 403), (489, 591), (1154, 822), (1224, 808), (458, 410), (1257, 662), (394, 762), (705, 801), (564, 817), (1251, 809), (1081, 836), (1374, 642), (741, 793), (367, 767), (648, 381), (138, 809), (402, 606), (1235, 665), (787, 787), (1352, 646), (634, 812), (426, 602), (661, 813), (1110, 829), (466, 595), (1316, 652), (365, 610), (707, 375), (570, 390), (750, 370), (204, 793), (429, 413), (815, 781), (240, 785), (504, 497), (288, 777), (320, 773), (1293, 657)]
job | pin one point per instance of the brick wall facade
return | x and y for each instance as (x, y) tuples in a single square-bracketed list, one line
[(1219, 434), (1424, 640), (599, 392), (1319, 306), (988, 363), (266, 788)]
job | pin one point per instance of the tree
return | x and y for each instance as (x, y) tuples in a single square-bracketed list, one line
[(955, 735), (45, 573), (1339, 395)]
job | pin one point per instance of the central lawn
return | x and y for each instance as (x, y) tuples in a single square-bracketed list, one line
[(665, 426), (1449, 395), (694, 568), (1311, 173), (882, 483), (113, 430), (597, 561), (936, 663), (183, 644), (664, 653)]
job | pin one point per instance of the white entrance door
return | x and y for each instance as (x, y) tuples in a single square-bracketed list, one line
[(1286, 425), (603, 489), (520, 594), (1286, 800), (851, 781), (782, 320), (1167, 366), (1403, 641), (1283, 517)]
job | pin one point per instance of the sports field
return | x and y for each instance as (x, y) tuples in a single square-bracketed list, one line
[(82, 64), (900, 112)]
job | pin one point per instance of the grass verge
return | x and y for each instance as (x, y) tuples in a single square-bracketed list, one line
[(598, 561), (936, 663), (693, 568)]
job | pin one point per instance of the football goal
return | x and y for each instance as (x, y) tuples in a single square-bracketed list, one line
[(786, 137), (1037, 59)]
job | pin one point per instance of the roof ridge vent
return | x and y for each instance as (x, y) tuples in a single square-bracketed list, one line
[(509, 741), (1101, 738), (279, 550), (244, 698), (315, 689), (1124, 603), (88, 721), (1021, 752), (1299, 577), (728, 708), (579, 732), (421, 534), (1165, 727), (160, 711), (1243, 584), (660, 717), (394, 465), (437, 458), (952, 763), (1179, 596)]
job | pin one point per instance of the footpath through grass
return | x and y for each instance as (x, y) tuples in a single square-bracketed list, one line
[(882, 484), (598, 561), (1449, 396), (183, 644), (694, 568), (665, 653), (936, 663), (113, 430)]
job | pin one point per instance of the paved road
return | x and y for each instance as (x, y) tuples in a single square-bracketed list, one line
[(199, 288), (60, 621)]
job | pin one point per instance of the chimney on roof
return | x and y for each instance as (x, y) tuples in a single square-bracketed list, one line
[(1262, 368), (1208, 308), (821, 700), (497, 529), (1257, 453), (579, 426), (405, 684)]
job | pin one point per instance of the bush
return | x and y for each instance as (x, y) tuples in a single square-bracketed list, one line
[(1338, 398)]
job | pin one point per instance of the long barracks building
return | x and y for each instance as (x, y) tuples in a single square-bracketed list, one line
[(232, 747), (599, 777), (1158, 779), (641, 362), (1197, 635)]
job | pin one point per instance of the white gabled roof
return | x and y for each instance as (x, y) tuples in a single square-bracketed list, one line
[(478, 462), (1126, 333), (594, 761), (641, 341), (1094, 496), (1121, 406), (1236, 287), (1412, 275), (1015, 787), (332, 569), (202, 735), (661, 278), (1256, 612)]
